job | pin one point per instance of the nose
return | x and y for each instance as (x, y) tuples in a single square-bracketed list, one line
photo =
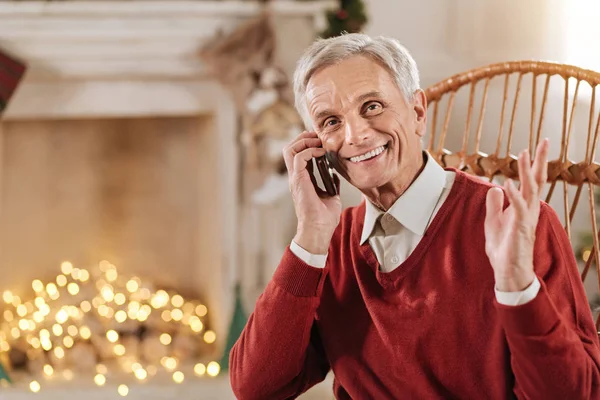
[(356, 131)]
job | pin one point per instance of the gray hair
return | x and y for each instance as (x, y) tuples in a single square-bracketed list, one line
[(325, 52)]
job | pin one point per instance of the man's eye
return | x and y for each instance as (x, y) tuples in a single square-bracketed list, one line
[(373, 106), (330, 122)]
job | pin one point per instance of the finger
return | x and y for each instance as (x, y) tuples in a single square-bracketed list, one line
[(302, 158), (529, 188), (297, 145), (494, 203), (516, 199), (540, 163)]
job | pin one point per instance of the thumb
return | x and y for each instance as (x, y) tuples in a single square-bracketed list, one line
[(493, 209)]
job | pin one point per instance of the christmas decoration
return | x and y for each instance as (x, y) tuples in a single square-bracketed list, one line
[(98, 320), (11, 73), (350, 17), (238, 322)]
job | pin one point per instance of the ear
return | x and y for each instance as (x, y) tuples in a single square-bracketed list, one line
[(419, 104)]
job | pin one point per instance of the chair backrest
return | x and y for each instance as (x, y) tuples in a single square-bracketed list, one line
[(481, 147)]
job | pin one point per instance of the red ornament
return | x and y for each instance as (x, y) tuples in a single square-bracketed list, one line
[(342, 14)]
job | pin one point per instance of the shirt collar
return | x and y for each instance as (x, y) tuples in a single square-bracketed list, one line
[(415, 206)]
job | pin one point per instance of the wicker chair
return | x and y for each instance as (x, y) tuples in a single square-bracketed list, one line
[(500, 160)]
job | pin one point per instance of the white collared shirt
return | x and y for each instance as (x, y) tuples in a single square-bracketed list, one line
[(393, 235)]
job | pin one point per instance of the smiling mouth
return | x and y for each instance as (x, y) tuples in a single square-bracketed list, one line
[(371, 154)]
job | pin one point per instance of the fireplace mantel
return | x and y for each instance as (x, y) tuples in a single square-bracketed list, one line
[(91, 60), (135, 53)]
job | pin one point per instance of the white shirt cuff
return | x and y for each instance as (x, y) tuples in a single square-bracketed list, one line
[(314, 260), (519, 298)]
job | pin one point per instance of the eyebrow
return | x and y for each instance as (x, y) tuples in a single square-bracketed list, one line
[(359, 99)]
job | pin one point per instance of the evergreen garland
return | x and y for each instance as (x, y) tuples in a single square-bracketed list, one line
[(350, 17)]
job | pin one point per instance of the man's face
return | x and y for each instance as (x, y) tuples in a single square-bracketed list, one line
[(364, 121)]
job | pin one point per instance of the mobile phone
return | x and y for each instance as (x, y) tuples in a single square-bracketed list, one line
[(326, 175)]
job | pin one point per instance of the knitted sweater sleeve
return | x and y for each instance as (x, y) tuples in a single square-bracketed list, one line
[(552, 339), (279, 354)]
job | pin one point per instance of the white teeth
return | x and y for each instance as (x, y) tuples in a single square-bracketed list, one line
[(368, 155)]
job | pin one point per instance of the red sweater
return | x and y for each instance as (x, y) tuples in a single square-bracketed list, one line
[(431, 328)]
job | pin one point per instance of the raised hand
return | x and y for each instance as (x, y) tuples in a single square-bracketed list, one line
[(318, 214), (510, 233)]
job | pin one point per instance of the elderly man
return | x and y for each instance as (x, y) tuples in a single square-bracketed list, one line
[(434, 287)]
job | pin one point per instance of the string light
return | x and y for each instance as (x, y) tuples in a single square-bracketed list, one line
[(99, 380), (123, 390), (34, 386), (90, 307), (178, 376), (213, 368)]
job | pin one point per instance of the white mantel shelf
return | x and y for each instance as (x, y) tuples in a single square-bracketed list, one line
[(233, 8)]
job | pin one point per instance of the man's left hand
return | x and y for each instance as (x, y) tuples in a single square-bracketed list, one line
[(510, 233)]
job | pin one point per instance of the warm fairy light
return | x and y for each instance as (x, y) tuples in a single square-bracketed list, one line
[(73, 288), (145, 294), (68, 342), (68, 374), (46, 344), (34, 386), (101, 369), (39, 302), (29, 307), (48, 370), (201, 310), (30, 325), (120, 299), (123, 390), (23, 325), (7, 296), (15, 333), (61, 280), (104, 310), (66, 267), (166, 315), (210, 337), (196, 324), (132, 286), (213, 368), (85, 306), (85, 332), (119, 349), (8, 316), (112, 336), (107, 293), (72, 330), (59, 352), (199, 369), (178, 376), (177, 301), (111, 275), (177, 314), (35, 343), (76, 273), (99, 380), (45, 309), (51, 289), (4, 346), (169, 363), (160, 299), (37, 285), (21, 310), (62, 316), (141, 374), (44, 333), (120, 316), (165, 339), (84, 275), (57, 329), (97, 302)]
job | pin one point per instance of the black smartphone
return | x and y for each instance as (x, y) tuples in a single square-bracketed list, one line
[(326, 175)]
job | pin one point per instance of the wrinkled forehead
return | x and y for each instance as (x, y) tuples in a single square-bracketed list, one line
[(341, 84)]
